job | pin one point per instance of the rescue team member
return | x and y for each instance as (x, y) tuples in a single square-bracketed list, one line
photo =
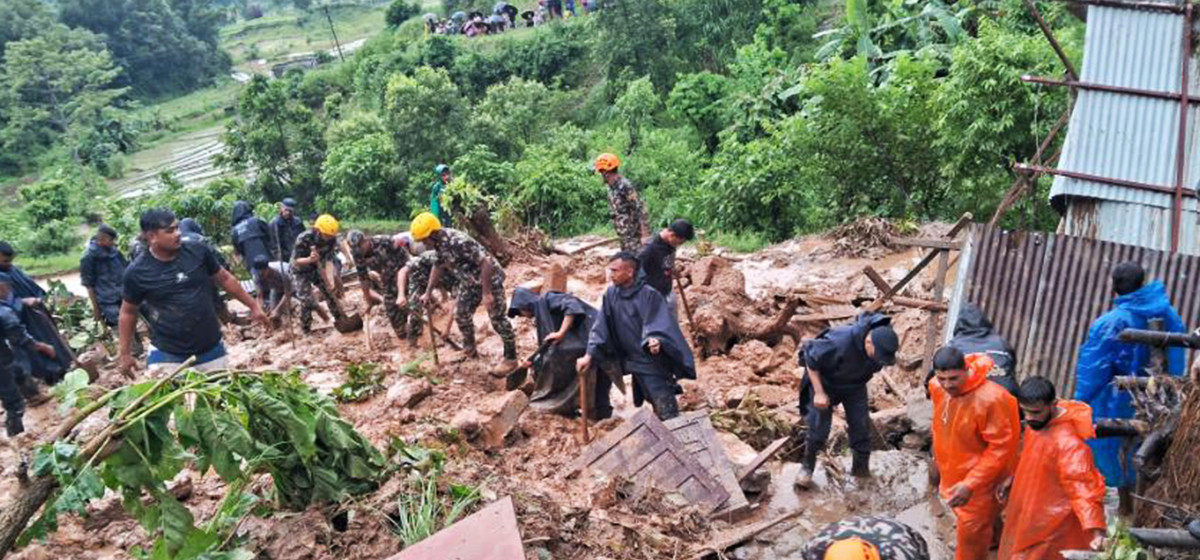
[(251, 237), (175, 280), (1103, 356), (628, 212), (479, 277), (25, 299), (315, 248), (976, 432), (285, 228), (100, 271), (974, 333), (412, 282), (385, 256), (1057, 499), (563, 324), (635, 332), (866, 538), (838, 364), (656, 260), (15, 336), (442, 171)]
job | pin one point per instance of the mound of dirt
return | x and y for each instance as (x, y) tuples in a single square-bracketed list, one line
[(863, 237)]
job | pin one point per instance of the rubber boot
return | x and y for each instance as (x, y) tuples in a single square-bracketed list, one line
[(13, 423), (804, 479), (861, 465)]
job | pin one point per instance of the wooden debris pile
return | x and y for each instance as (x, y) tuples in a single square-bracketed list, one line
[(864, 237)]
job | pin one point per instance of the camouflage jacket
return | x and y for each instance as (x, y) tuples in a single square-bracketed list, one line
[(419, 270), (628, 214), (308, 240), (894, 540), (462, 257), (384, 258)]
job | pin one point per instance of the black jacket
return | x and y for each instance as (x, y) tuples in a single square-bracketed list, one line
[(250, 234), (974, 333), (283, 236)]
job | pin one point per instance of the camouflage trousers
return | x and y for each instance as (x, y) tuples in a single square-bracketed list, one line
[(398, 316), (464, 313), (305, 282)]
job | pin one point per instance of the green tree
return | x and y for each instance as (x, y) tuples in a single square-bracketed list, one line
[(697, 99), (278, 137), (56, 86), (400, 11), (638, 39), (513, 115), (426, 117), (362, 177), (636, 108), (152, 42), (22, 19)]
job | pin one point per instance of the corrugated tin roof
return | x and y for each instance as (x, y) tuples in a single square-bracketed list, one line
[(1126, 136)]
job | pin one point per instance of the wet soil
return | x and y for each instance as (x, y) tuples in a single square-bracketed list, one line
[(562, 518)]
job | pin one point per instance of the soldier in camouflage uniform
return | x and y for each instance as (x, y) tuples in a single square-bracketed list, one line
[(480, 279), (889, 539), (414, 280), (313, 249), (628, 212), (385, 256)]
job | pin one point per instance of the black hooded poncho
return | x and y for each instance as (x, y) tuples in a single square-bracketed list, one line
[(556, 383)]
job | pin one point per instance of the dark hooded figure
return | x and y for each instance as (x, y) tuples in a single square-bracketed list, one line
[(636, 333), (25, 299), (250, 238), (100, 271), (974, 334), (563, 322)]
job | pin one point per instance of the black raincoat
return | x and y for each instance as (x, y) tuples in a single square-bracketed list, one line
[(556, 382), (250, 234)]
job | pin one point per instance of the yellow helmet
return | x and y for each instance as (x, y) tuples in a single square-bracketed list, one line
[(327, 225), (852, 548), (424, 225)]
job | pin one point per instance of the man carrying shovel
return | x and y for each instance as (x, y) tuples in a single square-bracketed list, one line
[(384, 256), (315, 248)]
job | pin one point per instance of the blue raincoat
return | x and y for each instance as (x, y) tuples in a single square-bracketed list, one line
[(1103, 357)]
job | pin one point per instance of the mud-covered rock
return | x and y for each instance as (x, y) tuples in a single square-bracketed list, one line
[(407, 392), (492, 420)]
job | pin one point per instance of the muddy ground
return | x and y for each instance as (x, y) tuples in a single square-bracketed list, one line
[(563, 518)]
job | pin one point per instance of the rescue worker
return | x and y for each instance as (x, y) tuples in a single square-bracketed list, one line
[(385, 256), (15, 336), (285, 228), (563, 323), (191, 231), (635, 334), (480, 279), (175, 280), (100, 271), (251, 238), (974, 333), (314, 248), (273, 277), (23, 287), (26, 300), (866, 538), (444, 178), (838, 365), (656, 260), (412, 283), (976, 432), (1103, 356), (628, 212), (1057, 494)]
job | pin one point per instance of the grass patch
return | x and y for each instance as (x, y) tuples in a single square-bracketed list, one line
[(49, 265), (740, 242), (289, 31)]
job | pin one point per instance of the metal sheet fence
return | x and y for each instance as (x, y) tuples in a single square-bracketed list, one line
[(1042, 291)]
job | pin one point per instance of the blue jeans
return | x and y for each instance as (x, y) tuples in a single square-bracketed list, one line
[(162, 357), (858, 418)]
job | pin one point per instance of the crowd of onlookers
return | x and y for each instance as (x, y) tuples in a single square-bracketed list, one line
[(504, 16)]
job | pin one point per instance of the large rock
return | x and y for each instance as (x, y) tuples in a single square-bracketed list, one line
[(920, 413), (407, 392), (493, 419)]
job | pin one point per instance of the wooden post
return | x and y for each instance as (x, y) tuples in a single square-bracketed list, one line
[(584, 409), (939, 288), (687, 309)]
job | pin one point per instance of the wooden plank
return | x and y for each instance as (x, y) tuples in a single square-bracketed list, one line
[(644, 451), (877, 279), (762, 457), (927, 243), (695, 431), (489, 534), (741, 535), (963, 222), (939, 288)]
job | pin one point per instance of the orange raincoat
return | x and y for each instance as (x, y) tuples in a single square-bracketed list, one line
[(1058, 494), (975, 441)]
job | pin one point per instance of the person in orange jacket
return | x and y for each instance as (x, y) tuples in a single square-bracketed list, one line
[(976, 431), (1057, 499)]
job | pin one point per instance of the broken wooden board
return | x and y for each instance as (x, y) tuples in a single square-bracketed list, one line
[(489, 534), (644, 451), (739, 536), (763, 456), (695, 431)]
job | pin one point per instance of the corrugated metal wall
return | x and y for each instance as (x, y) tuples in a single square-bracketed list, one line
[(1042, 291)]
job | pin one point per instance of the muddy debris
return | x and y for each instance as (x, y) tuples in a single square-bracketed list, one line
[(492, 420), (406, 392)]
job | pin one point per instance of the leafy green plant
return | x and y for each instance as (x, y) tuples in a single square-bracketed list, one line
[(428, 509), (363, 379), (1122, 546), (75, 318)]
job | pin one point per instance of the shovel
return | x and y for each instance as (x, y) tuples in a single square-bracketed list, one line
[(349, 323)]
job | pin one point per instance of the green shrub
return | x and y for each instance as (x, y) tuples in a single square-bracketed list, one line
[(58, 236), (557, 192), (401, 11)]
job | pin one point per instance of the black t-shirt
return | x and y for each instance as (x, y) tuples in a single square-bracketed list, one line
[(656, 260), (178, 298)]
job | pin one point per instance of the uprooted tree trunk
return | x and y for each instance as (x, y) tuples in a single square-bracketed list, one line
[(15, 516), (479, 225)]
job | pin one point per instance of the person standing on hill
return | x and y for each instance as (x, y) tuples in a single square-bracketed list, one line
[(174, 280), (480, 279), (838, 364), (314, 248), (100, 271), (285, 228), (444, 177), (976, 433), (1057, 498), (26, 300), (1103, 357), (634, 333), (656, 260), (628, 212)]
